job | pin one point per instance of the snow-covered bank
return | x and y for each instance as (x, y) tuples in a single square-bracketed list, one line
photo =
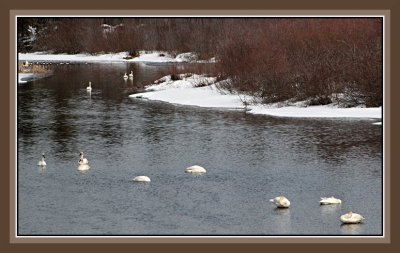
[(25, 77), (321, 111), (191, 91), (160, 57)]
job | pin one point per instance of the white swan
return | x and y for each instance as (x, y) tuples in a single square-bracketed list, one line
[(82, 160), (89, 88), (351, 218), (83, 167), (195, 169), (131, 74), (329, 201), (280, 202), (141, 179), (125, 76), (42, 162)]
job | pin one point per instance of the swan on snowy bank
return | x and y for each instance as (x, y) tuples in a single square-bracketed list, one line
[(281, 202), (42, 162), (195, 169), (351, 218), (329, 201), (89, 88), (141, 179)]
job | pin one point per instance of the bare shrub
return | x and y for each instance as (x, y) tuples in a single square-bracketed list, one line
[(274, 59)]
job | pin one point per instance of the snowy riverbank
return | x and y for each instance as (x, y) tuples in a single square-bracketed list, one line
[(201, 91), (155, 57), (145, 57), (25, 77), (28, 77)]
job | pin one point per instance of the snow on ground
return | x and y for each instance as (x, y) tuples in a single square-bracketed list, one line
[(40, 56), (114, 57), (25, 77), (321, 111), (187, 92)]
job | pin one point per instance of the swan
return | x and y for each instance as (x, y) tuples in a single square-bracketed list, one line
[(125, 76), (83, 167), (89, 88), (351, 218), (195, 169), (141, 179), (131, 74), (82, 160), (42, 162), (280, 202), (329, 201)]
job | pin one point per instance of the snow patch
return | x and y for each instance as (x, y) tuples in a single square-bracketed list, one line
[(320, 111), (144, 56), (187, 92), (25, 77)]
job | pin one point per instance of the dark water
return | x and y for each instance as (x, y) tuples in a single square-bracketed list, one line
[(249, 159)]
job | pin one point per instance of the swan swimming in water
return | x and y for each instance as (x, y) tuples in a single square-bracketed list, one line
[(351, 218), (42, 162), (131, 74), (141, 179), (125, 76), (195, 169), (83, 167), (329, 201), (82, 160), (281, 202), (89, 88)]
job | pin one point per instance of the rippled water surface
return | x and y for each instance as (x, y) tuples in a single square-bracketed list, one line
[(249, 159)]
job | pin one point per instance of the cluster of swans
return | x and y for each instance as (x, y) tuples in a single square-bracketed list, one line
[(130, 75), (84, 165), (348, 218), (83, 162), (195, 169), (280, 201)]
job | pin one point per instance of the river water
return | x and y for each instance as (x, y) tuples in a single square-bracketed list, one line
[(249, 159)]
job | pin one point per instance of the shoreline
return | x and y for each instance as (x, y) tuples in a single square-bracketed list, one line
[(154, 56), (209, 95), (25, 77), (30, 76), (187, 92)]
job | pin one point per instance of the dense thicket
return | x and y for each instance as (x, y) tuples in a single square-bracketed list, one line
[(272, 58), (279, 59)]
